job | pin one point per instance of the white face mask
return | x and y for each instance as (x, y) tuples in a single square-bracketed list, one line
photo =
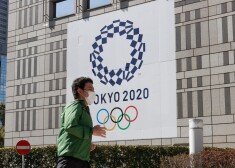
[(91, 97)]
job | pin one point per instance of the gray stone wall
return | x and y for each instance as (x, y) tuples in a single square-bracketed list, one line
[(36, 79), (205, 68)]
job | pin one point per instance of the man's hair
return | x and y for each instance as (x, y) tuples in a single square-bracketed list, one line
[(79, 83)]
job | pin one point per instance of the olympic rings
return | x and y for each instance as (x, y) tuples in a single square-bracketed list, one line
[(119, 118), (98, 114), (127, 125), (113, 126), (135, 111)]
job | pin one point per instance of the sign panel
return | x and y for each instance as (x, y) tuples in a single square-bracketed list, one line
[(130, 55), (23, 147)]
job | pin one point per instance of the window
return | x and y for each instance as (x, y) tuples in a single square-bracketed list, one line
[(3, 20), (3, 26), (35, 49), (29, 88), (35, 66), (63, 8), (20, 3), (17, 90), (36, 14), (23, 89), (34, 103), (98, 3), (29, 67), (4, 8)]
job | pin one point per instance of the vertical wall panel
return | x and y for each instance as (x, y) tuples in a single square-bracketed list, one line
[(178, 38), (200, 103), (230, 28), (35, 66), (226, 58), (22, 121), (177, 18), (25, 17), (17, 121), (220, 30), (233, 18), (61, 62), (213, 32), (53, 117), (18, 70), (30, 16), (57, 117), (20, 19), (179, 84), (232, 96), (185, 105), (199, 62), (29, 67), (40, 17), (187, 16), (222, 101), (215, 102), (225, 29), (190, 104), (188, 37), (178, 65), (188, 64), (193, 35), (39, 119), (189, 83), (51, 63), (197, 14), (41, 67), (195, 104), (180, 105), (204, 34), (24, 68), (199, 81), (198, 34), (50, 118), (34, 119), (57, 62), (64, 60), (36, 14), (183, 38), (227, 101), (206, 96)]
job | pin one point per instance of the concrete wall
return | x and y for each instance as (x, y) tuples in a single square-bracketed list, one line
[(36, 87)]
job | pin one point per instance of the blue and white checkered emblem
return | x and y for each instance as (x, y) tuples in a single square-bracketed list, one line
[(119, 75)]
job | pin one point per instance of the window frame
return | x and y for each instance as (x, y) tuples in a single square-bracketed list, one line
[(54, 9), (101, 6)]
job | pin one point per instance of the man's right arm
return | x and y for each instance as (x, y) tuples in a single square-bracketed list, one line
[(72, 126)]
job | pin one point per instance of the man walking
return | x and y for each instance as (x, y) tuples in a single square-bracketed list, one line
[(75, 136)]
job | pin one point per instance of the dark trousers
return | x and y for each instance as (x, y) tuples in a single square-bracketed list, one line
[(71, 162)]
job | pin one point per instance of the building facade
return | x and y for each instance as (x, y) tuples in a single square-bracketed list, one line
[(3, 63), (3, 47), (3, 25), (36, 62)]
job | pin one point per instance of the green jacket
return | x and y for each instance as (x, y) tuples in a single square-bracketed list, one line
[(75, 134)]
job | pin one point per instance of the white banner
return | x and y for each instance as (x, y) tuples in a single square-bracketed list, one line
[(130, 55)]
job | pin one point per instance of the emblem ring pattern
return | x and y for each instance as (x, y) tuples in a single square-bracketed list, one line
[(126, 72)]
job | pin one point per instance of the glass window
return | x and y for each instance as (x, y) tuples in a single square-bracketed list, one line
[(3, 64), (63, 8), (98, 3)]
